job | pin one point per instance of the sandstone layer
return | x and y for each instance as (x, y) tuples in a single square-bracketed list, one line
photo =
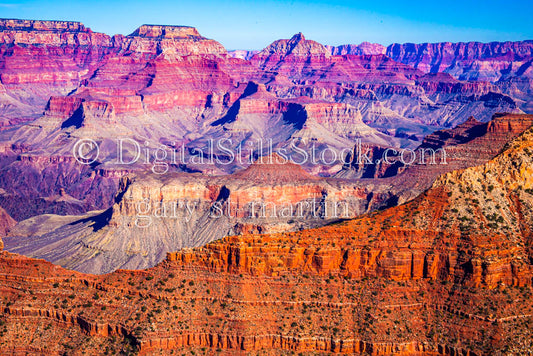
[(448, 273), (171, 87), (155, 214)]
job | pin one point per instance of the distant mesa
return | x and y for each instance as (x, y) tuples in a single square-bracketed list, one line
[(242, 54), (146, 30), (274, 169), (164, 31), (364, 48), (42, 25)]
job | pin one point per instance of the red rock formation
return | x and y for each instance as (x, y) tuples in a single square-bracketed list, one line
[(163, 213), (470, 60), (48, 52), (297, 46), (110, 79), (274, 169), (170, 81), (443, 274), (470, 144), (172, 32), (444, 83), (433, 222), (362, 49), (67, 55)]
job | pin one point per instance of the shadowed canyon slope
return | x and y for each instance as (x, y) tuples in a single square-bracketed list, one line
[(154, 214), (447, 273), (469, 144)]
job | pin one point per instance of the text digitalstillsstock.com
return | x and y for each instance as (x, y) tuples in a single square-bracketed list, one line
[(226, 152)]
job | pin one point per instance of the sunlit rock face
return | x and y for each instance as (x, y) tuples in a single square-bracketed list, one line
[(170, 86), (448, 273)]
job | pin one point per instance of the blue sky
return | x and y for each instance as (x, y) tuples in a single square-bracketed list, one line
[(255, 24)]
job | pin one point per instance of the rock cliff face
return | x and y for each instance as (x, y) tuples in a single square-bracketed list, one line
[(170, 86), (448, 273), (153, 215), (507, 64), (162, 31), (465, 61), (297, 47), (299, 122), (480, 216), (410, 172), (364, 48), (43, 61), (63, 55), (34, 185)]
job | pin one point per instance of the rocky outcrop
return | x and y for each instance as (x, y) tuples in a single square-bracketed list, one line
[(81, 316), (471, 227), (296, 46), (153, 214), (503, 63), (312, 123), (170, 40), (29, 56), (172, 32), (448, 273), (470, 144)]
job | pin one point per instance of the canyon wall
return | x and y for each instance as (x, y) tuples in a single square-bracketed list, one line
[(448, 273), (170, 86)]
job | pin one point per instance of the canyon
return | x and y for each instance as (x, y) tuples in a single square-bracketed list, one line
[(155, 214), (412, 279), (169, 87), (161, 194)]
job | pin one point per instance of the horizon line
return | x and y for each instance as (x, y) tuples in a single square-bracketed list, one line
[(259, 49)]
